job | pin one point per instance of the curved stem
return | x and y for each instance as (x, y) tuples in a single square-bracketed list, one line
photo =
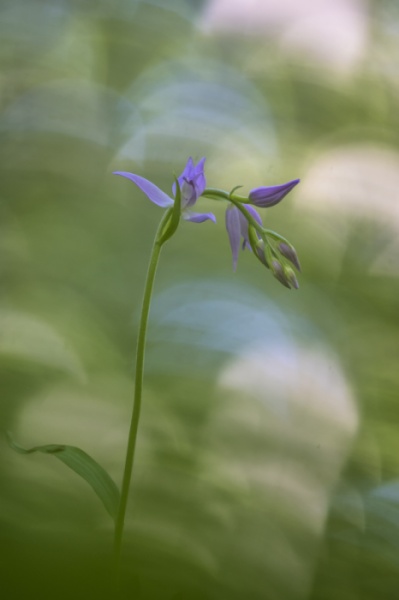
[(238, 201), (249, 218), (138, 386), (277, 236), (217, 194)]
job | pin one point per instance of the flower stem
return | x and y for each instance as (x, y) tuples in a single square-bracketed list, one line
[(238, 201), (138, 386), (221, 194)]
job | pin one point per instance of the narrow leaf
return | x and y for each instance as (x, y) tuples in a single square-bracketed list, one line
[(175, 217), (85, 466)]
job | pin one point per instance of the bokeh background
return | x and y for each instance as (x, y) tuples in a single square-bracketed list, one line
[(267, 464)]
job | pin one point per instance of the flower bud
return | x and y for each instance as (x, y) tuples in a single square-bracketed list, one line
[(257, 245), (264, 197), (291, 278), (279, 273), (260, 253), (290, 254)]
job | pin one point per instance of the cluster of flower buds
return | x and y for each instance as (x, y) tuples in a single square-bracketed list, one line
[(244, 227), (278, 256), (243, 222)]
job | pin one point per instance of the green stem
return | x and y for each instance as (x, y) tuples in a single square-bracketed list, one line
[(222, 195), (138, 386), (238, 201)]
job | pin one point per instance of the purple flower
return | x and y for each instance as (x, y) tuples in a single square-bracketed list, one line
[(237, 228), (264, 197), (192, 184)]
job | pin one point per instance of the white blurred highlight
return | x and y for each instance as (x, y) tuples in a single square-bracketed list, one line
[(356, 182), (309, 382), (306, 447), (333, 32)]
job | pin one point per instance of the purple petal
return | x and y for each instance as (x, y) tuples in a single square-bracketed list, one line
[(246, 245), (188, 195), (243, 227), (199, 217), (234, 231), (265, 197), (186, 175), (192, 182), (254, 213), (199, 177), (188, 170), (152, 192)]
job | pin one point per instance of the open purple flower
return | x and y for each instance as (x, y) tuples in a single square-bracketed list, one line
[(192, 184), (237, 228), (264, 197)]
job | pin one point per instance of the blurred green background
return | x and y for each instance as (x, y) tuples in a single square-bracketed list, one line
[(267, 464)]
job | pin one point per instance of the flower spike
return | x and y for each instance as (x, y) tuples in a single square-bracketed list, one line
[(243, 222)]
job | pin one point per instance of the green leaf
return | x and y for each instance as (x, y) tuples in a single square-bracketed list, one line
[(173, 223), (85, 466)]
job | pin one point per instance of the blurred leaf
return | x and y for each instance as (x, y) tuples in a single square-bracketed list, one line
[(85, 466), (27, 338)]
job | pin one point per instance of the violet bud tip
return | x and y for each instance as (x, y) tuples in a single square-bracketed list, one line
[(290, 254)]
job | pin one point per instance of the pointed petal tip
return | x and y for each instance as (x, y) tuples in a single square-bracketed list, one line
[(295, 182), (123, 173), (267, 196), (199, 217), (290, 253), (153, 192)]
